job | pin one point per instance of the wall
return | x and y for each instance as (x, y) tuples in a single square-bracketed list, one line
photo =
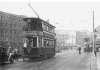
[(11, 30)]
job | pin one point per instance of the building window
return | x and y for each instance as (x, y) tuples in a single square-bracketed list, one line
[(11, 25), (6, 30), (5, 24), (11, 31), (15, 25), (0, 16), (14, 39), (1, 30), (1, 35), (15, 32), (3, 17), (1, 23), (15, 19), (11, 38)]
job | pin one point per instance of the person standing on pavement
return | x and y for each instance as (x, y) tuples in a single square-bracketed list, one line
[(79, 50), (99, 49), (95, 52)]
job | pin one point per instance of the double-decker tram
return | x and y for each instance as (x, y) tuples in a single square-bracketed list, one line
[(87, 44), (39, 39)]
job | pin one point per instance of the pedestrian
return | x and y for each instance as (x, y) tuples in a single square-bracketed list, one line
[(99, 49), (79, 50), (16, 54), (95, 52)]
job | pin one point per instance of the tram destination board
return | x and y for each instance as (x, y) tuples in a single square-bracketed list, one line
[(33, 33)]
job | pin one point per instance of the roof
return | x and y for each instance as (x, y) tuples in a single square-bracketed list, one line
[(22, 16)]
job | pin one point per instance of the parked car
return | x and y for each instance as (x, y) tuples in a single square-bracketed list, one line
[(4, 57)]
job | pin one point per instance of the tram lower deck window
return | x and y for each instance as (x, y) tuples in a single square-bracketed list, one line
[(31, 41), (34, 41)]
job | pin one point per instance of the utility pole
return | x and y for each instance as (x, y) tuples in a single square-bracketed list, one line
[(93, 33), (72, 41), (63, 41)]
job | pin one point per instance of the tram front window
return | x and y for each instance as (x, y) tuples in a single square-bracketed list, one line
[(31, 41)]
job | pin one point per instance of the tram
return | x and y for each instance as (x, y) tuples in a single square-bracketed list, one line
[(87, 44), (39, 39)]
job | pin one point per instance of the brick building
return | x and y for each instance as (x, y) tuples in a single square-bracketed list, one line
[(11, 30)]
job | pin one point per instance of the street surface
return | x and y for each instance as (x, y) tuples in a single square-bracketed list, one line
[(65, 60)]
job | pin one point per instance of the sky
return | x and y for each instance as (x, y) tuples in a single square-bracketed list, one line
[(64, 14)]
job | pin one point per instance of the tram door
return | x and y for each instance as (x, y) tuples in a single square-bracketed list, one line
[(34, 41)]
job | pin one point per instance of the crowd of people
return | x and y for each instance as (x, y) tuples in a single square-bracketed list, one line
[(15, 54)]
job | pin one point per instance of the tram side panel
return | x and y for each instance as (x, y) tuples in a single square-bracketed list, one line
[(48, 50), (31, 52), (38, 52)]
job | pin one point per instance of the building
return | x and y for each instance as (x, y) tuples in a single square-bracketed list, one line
[(65, 38), (80, 35), (11, 27)]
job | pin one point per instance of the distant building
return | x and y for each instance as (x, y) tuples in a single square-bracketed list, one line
[(65, 38), (11, 30), (98, 32), (80, 35), (62, 37)]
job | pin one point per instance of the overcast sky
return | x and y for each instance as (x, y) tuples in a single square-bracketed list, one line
[(65, 15)]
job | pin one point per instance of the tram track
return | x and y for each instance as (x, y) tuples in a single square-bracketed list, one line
[(61, 63), (69, 62), (50, 64)]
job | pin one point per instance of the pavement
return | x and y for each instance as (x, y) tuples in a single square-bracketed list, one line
[(95, 62), (98, 61)]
